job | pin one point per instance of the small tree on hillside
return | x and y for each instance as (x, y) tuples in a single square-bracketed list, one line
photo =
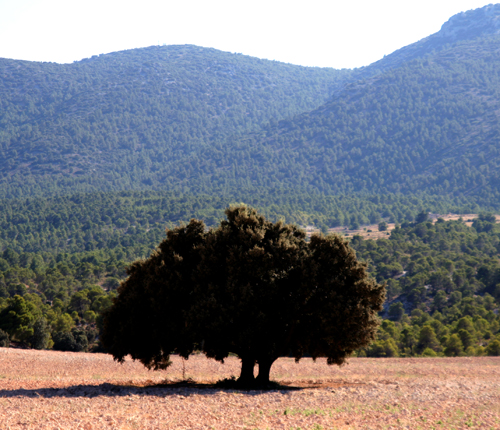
[(382, 226), (250, 287), (422, 217)]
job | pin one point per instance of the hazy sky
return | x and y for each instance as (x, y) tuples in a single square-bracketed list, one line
[(309, 32)]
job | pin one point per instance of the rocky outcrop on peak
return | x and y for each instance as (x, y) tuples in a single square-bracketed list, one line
[(481, 22)]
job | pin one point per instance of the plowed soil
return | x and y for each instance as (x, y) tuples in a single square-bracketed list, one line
[(56, 390)]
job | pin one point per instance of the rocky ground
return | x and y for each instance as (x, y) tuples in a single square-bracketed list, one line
[(56, 390)]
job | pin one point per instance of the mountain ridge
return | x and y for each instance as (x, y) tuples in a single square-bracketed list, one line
[(56, 118), (463, 26), (471, 98), (197, 120)]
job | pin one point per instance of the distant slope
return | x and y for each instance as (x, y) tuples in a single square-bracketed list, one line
[(103, 117), (134, 221), (431, 125), (469, 25), (424, 120)]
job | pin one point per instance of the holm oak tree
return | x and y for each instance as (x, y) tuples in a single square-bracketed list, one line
[(250, 287)]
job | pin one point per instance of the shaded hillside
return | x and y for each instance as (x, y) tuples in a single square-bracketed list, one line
[(481, 22), (133, 223), (101, 118), (198, 121), (431, 125)]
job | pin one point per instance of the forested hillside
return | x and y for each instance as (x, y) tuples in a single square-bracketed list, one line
[(443, 279), (134, 222), (431, 125), (99, 156), (443, 285), (123, 120), (200, 121)]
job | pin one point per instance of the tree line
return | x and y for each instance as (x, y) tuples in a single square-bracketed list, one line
[(443, 287), (132, 223), (436, 274)]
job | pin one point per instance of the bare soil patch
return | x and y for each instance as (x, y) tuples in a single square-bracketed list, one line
[(56, 390), (371, 231)]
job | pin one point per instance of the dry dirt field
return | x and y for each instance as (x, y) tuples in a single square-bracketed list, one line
[(375, 234), (57, 390)]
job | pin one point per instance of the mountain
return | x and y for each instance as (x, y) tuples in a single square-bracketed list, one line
[(423, 120), (430, 125), (111, 121), (482, 22), (98, 156)]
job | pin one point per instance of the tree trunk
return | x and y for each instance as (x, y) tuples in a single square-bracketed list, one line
[(264, 370), (246, 375)]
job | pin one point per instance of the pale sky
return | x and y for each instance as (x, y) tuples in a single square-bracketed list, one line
[(335, 33)]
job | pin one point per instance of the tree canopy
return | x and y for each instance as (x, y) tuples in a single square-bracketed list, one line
[(250, 287), (198, 121)]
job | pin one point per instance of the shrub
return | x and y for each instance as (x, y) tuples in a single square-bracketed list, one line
[(454, 346), (75, 341), (4, 339), (383, 348), (429, 353), (493, 348), (41, 334)]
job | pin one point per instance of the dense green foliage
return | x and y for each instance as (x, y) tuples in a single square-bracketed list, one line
[(125, 120), (446, 276), (450, 268), (132, 223), (68, 325), (99, 156), (429, 124), (199, 121), (59, 248), (249, 287)]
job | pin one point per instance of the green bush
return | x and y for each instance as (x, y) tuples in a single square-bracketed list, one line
[(454, 347), (4, 339), (383, 348), (429, 353), (75, 341), (41, 334), (493, 348)]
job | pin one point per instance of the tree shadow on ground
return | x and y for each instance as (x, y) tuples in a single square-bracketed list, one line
[(168, 388)]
